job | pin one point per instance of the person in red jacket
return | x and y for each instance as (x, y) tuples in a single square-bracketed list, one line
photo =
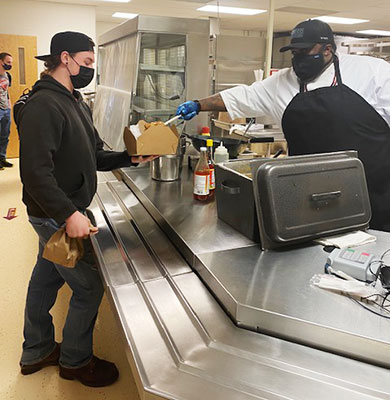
[(60, 151)]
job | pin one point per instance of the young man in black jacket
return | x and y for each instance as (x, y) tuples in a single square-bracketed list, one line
[(60, 151)]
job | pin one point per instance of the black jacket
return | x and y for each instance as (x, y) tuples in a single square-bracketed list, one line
[(60, 151)]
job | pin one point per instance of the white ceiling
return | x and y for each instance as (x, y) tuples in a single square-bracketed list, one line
[(377, 11)]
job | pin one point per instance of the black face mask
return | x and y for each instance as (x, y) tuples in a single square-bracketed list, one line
[(307, 67), (7, 67), (83, 78)]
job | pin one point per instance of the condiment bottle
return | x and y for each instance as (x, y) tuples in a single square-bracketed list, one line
[(209, 143), (201, 177), (221, 154), (205, 131)]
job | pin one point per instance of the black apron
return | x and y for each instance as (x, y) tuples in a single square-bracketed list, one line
[(336, 118)]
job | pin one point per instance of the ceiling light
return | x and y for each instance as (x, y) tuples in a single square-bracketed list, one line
[(375, 32), (231, 10), (124, 15), (338, 20), (117, 1)]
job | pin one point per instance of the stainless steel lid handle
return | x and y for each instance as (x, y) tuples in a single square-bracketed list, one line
[(326, 196)]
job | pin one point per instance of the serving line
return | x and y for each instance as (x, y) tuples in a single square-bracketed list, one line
[(265, 291), (178, 340)]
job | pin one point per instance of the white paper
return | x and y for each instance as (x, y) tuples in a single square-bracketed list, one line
[(354, 288), (241, 128), (134, 129), (351, 239)]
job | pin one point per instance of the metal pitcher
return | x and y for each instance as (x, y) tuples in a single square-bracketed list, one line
[(168, 168)]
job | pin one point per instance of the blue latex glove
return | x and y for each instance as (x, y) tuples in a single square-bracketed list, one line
[(188, 110)]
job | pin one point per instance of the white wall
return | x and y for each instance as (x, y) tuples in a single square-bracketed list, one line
[(43, 20)]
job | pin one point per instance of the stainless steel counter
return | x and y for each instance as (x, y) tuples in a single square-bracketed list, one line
[(179, 341), (193, 226), (266, 291)]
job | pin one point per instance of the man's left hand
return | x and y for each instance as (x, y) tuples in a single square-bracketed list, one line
[(142, 159)]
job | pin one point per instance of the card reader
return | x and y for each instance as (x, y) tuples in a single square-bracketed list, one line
[(359, 264)]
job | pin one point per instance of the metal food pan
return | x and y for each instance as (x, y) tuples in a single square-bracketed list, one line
[(299, 199)]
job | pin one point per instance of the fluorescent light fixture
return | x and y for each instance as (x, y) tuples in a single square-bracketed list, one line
[(231, 10), (375, 32), (124, 15), (117, 1), (339, 20)]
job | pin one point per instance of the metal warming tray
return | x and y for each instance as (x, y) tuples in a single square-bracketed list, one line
[(295, 198), (234, 195)]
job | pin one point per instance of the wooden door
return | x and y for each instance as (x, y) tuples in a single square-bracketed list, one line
[(24, 74)]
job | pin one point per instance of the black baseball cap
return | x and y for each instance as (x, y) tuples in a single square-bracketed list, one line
[(308, 33), (72, 42)]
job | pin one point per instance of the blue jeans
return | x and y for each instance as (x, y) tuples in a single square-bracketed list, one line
[(5, 125), (47, 278)]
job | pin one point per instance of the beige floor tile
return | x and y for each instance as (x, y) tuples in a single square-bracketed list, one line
[(18, 248)]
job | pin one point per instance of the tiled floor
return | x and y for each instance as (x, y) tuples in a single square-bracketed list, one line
[(18, 247)]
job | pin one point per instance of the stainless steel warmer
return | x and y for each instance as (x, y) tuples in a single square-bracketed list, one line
[(297, 198), (147, 66)]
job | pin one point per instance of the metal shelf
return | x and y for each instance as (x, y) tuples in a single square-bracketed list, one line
[(161, 68), (370, 47), (152, 107)]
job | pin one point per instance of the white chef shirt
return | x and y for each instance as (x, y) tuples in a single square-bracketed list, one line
[(367, 76)]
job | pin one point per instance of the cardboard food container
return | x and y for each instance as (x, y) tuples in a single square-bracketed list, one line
[(141, 140)]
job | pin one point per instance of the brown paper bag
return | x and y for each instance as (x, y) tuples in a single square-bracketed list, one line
[(63, 250)]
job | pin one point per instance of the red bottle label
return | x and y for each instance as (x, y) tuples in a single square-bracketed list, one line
[(212, 179)]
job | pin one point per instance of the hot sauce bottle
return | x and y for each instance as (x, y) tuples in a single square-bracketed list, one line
[(210, 158), (205, 131), (201, 177)]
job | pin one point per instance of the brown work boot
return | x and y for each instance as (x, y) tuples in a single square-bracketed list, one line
[(96, 373), (51, 359)]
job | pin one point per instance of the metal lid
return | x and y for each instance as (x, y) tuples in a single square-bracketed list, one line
[(302, 198)]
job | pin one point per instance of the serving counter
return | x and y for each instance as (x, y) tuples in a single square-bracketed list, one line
[(206, 314)]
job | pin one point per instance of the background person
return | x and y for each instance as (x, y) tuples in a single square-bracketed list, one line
[(325, 102), (60, 151), (5, 107)]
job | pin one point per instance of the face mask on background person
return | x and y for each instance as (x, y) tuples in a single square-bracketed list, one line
[(308, 66), (83, 78), (7, 67)]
